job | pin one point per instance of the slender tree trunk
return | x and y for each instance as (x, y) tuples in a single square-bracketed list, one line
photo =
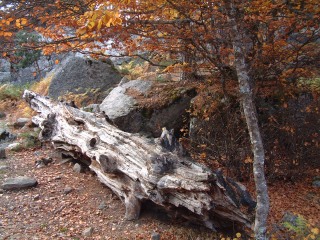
[(240, 50)]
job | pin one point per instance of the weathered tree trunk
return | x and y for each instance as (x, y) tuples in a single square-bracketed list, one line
[(139, 169), (240, 43)]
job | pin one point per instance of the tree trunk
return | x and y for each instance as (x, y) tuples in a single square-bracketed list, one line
[(141, 169), (240, 47)]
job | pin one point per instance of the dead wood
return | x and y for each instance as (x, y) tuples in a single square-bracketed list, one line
[(137, 168)]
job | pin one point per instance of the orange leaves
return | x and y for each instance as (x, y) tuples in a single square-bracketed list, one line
[(248, 160), (5, 34), (20, 22), (97, 20)]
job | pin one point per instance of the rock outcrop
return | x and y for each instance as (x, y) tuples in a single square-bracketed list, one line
[(20, 182), (5, 71), (133, 106), (78, 75)]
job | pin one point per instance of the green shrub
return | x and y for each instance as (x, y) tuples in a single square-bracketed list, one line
[(312, 84), (299, 228), (11, 92), (28, 140)]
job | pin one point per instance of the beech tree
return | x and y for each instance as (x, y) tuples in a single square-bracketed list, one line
[(252, 42)]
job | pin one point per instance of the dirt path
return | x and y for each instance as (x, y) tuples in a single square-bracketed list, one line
[(47, 212)]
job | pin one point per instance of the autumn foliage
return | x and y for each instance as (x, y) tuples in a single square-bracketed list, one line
[(280, 40)]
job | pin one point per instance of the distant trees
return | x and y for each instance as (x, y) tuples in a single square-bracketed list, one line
[(26, 56)]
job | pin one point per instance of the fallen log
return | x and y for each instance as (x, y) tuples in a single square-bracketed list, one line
[(138, 169)]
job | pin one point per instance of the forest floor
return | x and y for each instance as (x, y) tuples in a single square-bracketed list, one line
[(49, 212)]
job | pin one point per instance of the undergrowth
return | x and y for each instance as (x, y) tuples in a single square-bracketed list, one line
[(10, 92), (11, 96), (29, 140)]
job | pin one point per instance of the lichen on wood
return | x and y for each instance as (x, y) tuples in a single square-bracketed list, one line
[(139, 169)]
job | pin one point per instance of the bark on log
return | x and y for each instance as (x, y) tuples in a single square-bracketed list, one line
[(139, 169)]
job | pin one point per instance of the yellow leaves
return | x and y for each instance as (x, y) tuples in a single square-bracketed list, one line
[(81, 31), (315, 231), (97, 20), (91, 25), (99, 24)]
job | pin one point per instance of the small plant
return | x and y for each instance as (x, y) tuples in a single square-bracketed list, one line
[(63, 229), (312, 84), (28, 140), (300, 227), (10, 92)]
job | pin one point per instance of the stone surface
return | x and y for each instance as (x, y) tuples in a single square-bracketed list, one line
[(67, 190), (13, 146), (2, 115), (3, 167), (6, 136), (102, 205), (36, 197), (46, 64), (79, 75), (77, 168), (118, 104), (26, 75), (316, 181), (123, 108), (21, 122), (5, 68), (87, 232), (19, 182), (2, 153), (155, 236)]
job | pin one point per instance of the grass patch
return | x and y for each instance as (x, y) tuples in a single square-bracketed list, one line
[(27, 140), (11, 92), (312, 84), (42, 87)]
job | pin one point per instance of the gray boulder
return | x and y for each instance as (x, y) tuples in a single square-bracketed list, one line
[(77, 168), (67, 190), (87, 232), (45, 64), (316, 181), (119, 104), (79, 75), (6, 136), (5, 71), (3, 167), (2, 115), (21, 122), (124, 108), (14, 146), (19, 182), (155, 236), (2, 152)]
